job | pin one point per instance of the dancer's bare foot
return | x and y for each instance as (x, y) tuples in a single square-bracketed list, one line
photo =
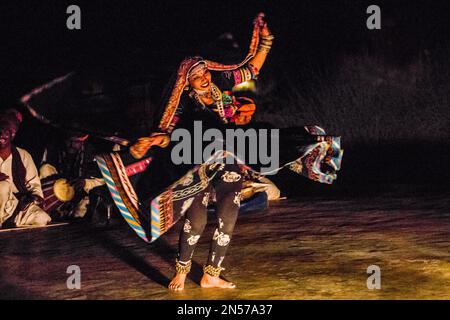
[(177, 283), (215, 282)]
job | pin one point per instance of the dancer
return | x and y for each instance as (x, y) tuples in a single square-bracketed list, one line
[(152, 193), (203, 96)]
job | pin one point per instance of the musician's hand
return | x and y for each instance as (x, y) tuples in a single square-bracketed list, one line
[(39, 201), (3, 176), (78, 184)]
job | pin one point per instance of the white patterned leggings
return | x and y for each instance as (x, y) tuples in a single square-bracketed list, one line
[(227, 185)]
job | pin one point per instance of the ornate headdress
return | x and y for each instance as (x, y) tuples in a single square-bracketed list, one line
[(187, 65)]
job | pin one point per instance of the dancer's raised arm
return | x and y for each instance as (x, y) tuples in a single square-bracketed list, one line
[(264, 46)]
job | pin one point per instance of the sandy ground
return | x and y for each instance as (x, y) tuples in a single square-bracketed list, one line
[(298, 249)]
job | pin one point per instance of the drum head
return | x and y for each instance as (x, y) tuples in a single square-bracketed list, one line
[(63, 190)]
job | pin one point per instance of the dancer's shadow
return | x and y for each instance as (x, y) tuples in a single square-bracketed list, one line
[(161, 247), (135, 261)]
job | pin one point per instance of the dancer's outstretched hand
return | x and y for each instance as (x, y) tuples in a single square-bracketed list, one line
[(259, 20), (263, 28), (140, 148)]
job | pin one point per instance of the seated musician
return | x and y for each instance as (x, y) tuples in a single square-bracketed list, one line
[(21, 195), (72, 160)]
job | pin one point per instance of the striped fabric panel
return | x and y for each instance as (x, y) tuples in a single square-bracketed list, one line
[(155, 218), (118, 199)]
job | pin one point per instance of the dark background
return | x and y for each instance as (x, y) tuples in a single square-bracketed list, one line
[(146, 37), (141, 42)]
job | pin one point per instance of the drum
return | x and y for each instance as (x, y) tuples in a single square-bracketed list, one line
[(57, 191)]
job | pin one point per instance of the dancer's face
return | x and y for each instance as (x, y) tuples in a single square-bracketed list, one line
[(201, 80)]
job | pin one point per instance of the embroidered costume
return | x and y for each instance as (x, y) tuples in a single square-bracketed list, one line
[(151, 199)]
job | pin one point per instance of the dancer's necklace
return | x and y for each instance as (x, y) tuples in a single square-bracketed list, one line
[(215, 97)]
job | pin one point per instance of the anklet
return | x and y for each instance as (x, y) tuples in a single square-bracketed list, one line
[(215, 272), (183, 268)]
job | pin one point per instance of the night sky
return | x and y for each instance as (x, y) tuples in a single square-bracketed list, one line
[(151, 37)]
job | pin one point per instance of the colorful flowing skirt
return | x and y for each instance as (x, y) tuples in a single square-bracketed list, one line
[(319, 160)]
